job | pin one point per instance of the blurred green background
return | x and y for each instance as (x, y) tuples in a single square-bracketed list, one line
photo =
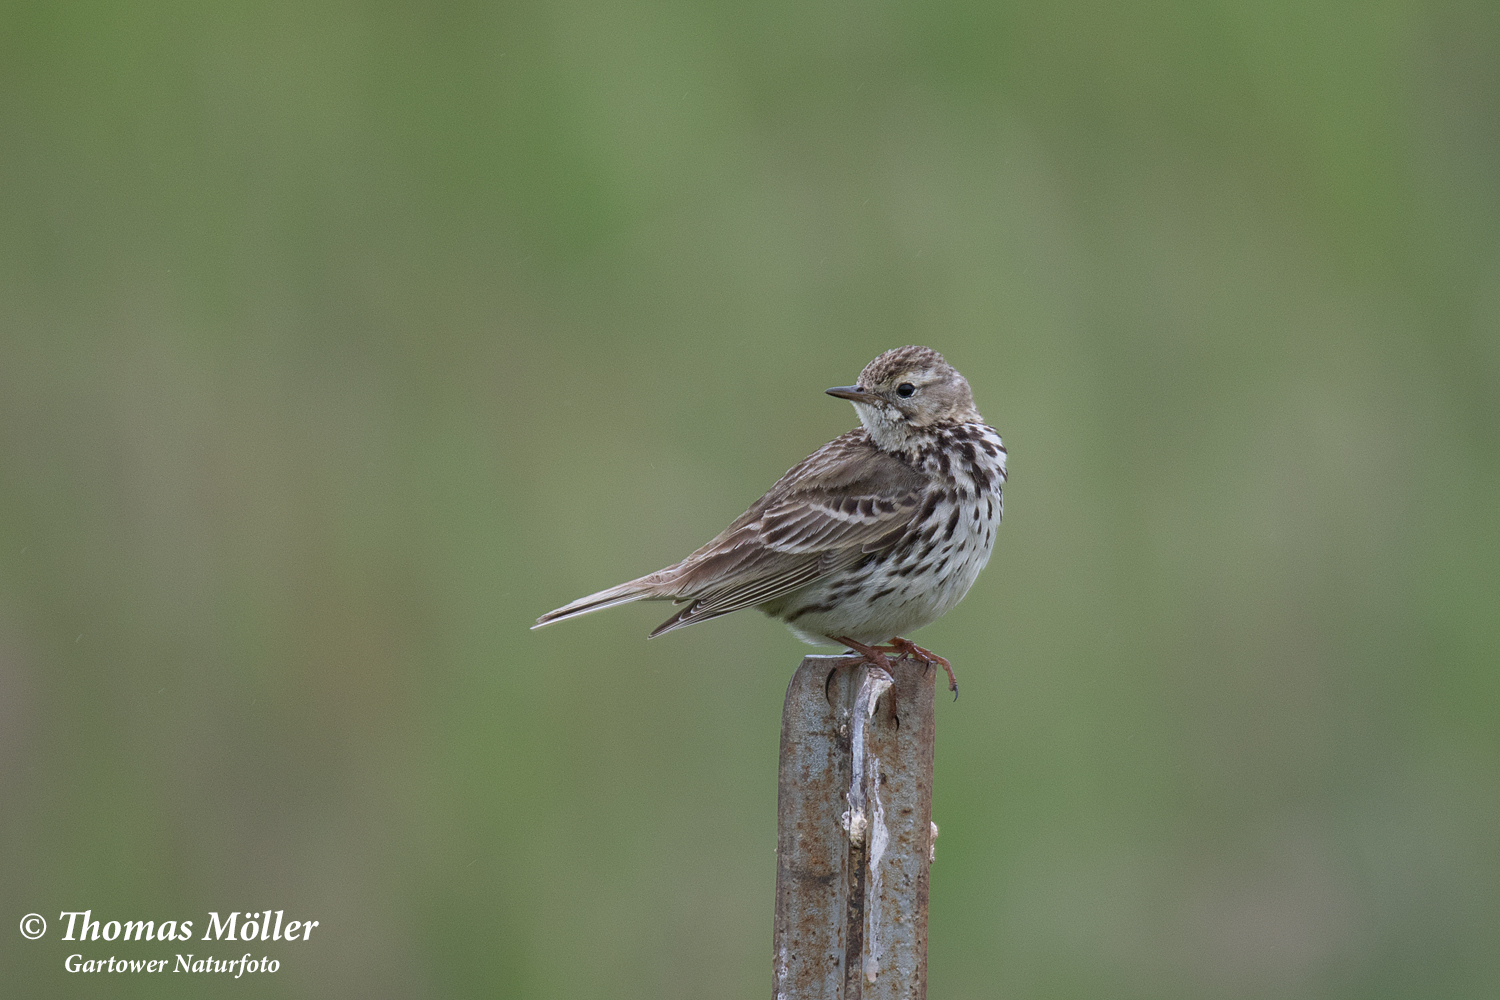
[(339, 340)]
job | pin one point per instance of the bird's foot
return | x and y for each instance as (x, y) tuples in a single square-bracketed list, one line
[(873, 655), (908, 648)]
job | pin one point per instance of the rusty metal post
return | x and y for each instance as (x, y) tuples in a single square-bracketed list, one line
[(854, 832)]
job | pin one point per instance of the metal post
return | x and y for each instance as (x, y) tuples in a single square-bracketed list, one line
[(854, 831)]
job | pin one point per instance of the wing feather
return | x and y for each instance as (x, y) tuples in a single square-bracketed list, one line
[(843, 502)]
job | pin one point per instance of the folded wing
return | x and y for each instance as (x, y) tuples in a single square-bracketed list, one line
[(843, 502)]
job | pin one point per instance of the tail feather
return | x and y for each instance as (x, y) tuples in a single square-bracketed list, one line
[(625, 593)]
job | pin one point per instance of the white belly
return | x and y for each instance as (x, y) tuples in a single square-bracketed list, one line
[(877, 602)]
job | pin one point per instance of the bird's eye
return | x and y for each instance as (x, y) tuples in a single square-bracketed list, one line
[(905, 389)]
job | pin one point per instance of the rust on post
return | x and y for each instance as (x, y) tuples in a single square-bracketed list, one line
[(854, 836)]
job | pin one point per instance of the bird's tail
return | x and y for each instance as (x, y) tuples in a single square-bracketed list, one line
[(647, 588)]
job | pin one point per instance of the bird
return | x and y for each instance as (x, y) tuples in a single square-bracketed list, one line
[(879, 532)]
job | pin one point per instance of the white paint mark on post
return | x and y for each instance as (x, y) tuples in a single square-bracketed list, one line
[(873, 682), (879, 838)]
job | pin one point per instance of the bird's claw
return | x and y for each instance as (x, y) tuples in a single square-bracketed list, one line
[(905, 649)]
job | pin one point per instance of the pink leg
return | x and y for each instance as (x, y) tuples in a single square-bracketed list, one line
[(873, 654), (908, 648)]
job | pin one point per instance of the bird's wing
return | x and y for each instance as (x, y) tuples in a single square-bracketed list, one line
[(845, 501)]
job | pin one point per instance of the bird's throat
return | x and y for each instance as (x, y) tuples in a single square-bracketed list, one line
[(888, 429)]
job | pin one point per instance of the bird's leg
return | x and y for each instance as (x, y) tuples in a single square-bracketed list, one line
[(872, 654), (908, 648)]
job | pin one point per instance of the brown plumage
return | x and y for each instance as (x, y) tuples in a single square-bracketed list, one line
[(875, 534)]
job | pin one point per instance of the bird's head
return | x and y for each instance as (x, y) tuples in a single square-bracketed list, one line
[(906, 390)]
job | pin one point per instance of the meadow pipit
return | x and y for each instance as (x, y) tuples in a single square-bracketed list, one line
[(877, 533)]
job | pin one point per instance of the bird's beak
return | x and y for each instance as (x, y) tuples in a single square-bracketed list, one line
[(853, 392)]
